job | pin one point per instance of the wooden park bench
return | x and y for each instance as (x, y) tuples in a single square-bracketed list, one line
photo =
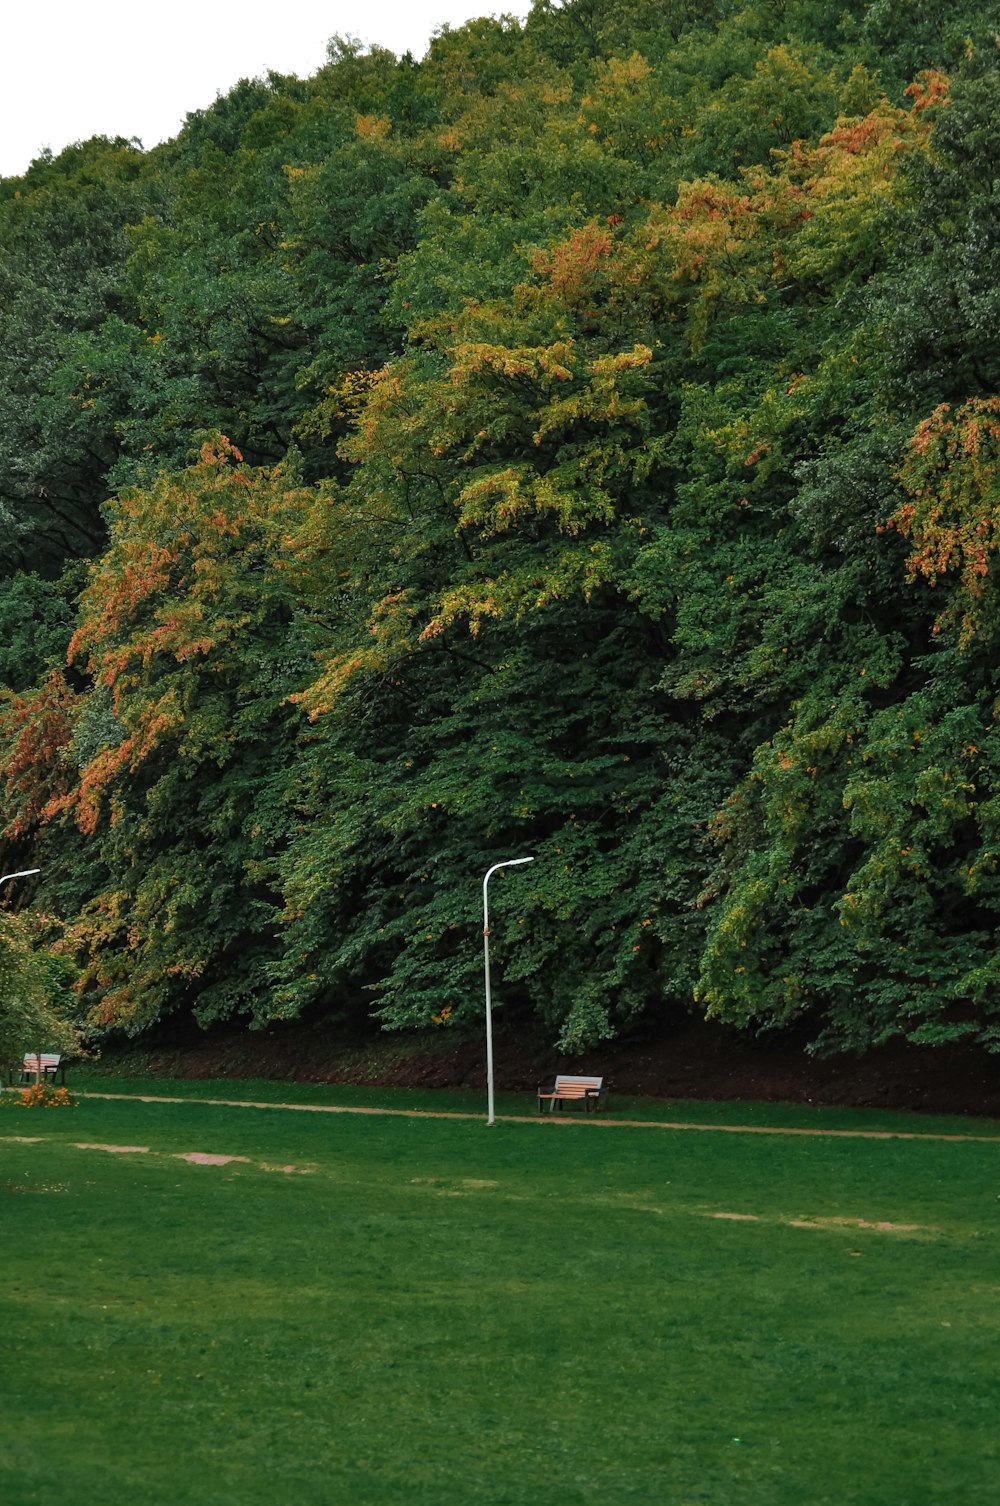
[(42, 1066), (588, 1091)]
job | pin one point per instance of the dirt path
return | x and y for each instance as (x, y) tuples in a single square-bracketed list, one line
[(654, 1124)]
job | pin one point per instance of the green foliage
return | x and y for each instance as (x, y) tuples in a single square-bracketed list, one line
[(62, 248), (937, 303), (176, 751), (36, 620), (617, 394), (36, 998)]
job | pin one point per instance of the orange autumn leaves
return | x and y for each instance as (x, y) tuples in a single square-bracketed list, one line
[(804, 220), (529, 413), (951, 518), (195, 562), (36, 729)]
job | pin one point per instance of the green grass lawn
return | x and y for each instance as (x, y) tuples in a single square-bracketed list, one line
[(89, 1079), (370, 1310)]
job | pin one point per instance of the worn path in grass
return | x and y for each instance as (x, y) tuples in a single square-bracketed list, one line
[(659, 1124), (206, 1158)]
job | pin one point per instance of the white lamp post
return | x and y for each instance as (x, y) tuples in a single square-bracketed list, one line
[(510, 863)]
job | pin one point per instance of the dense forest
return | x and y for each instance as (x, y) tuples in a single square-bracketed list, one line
[(581, 442)]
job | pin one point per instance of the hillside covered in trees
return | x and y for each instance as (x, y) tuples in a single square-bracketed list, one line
[(583, 441)]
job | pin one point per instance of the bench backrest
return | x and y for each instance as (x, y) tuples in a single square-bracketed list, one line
[(44, 1061), (578, 1087)]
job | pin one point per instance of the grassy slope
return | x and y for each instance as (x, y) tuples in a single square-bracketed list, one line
[(426, 1311)]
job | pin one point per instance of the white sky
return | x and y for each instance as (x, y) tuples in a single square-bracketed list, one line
[(70, 69)]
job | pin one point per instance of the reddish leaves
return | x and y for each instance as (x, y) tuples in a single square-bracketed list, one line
[(36, 730), (952, 518)]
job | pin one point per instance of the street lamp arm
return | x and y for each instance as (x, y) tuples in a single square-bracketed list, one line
[(510, 863)]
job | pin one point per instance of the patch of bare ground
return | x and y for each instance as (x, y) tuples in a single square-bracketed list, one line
[(203, 1158), (118, 1150)]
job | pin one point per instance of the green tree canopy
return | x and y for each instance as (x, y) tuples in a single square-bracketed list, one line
[(579, 441)]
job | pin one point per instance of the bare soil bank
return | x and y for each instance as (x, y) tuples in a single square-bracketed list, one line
[(695, 1061)]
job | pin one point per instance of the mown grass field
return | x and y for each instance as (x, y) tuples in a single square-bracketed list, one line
[(369, 1310)]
